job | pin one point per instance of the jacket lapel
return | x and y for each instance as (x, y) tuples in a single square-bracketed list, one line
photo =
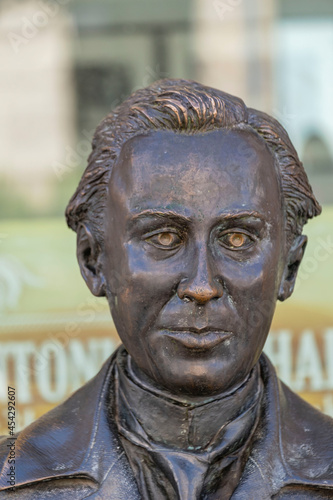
[(74, 439), (268, 471)]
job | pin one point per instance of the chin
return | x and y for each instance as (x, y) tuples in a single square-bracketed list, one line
[(197, 379)]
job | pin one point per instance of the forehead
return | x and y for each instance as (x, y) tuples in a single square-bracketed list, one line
[(210, 172)]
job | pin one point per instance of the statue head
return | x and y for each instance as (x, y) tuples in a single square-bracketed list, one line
[(189, 219)]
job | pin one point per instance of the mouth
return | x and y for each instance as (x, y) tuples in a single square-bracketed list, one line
[(198, 339)]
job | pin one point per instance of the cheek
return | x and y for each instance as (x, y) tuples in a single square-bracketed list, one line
[(144, 291), (252, 287), (147, 275)]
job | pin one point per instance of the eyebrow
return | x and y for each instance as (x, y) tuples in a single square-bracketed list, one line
[(242, 215), (170, 214)]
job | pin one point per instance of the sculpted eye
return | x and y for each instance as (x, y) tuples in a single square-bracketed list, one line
[(236, 241), (166, 240)]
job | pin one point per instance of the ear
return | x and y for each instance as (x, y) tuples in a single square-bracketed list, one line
[(294, 258), (89, 257)]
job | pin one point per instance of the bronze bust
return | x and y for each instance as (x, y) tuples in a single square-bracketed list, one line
[(189, 220)]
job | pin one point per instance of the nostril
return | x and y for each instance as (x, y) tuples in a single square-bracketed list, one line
[(199, 295), (199, 291)]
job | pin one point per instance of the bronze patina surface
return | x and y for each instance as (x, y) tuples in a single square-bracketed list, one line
[(189, 220)]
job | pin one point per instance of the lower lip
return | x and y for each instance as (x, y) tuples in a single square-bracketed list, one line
[(198, 341)]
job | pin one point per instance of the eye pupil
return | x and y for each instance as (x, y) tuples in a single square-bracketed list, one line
[(165, 239), (237, 240)]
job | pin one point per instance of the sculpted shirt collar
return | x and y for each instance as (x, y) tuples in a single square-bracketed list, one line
[(153, 415), (166, 436)]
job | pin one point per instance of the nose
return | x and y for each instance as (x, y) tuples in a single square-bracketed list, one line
[(201, 286)]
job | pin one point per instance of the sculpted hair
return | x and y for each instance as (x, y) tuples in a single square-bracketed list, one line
[(186, 107)]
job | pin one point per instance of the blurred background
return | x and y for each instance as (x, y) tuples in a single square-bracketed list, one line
[(64, 65)]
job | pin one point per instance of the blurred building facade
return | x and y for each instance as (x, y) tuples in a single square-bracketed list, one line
[(66, 63)]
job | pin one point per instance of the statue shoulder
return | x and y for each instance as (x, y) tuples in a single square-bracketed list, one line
[(307, 436), (59, 444)]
